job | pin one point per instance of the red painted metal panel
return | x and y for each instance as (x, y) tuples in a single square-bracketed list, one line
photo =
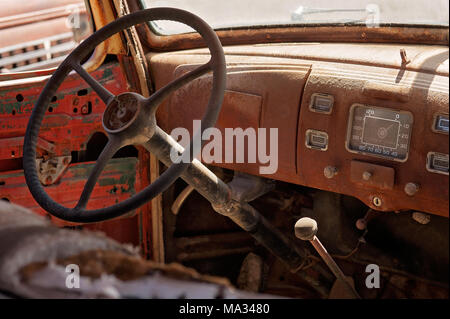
[(64, 124), (118, 182), (73, 116)]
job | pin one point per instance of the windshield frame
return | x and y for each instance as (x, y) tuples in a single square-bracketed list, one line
[(323, 32)]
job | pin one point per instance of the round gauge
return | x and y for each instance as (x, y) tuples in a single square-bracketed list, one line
[(379, 131)]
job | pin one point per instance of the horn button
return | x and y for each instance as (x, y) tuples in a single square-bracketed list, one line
[(121, 112)]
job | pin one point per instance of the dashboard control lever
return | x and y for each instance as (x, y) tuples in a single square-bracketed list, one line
[(330, 171), (306, 229), (366, 175), (411, 189)]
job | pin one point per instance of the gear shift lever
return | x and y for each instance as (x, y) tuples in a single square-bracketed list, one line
[(306, 229)]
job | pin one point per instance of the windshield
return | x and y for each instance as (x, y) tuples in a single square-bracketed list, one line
[(243, 13)]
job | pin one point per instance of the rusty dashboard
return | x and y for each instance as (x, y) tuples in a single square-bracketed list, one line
[(368, 121)]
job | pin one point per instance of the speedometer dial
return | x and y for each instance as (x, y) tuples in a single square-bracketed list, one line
[(379, 132)]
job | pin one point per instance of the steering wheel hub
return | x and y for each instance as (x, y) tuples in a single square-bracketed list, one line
[(121, 112)]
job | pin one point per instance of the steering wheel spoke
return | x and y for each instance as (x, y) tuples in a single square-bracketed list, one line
[(113, 145), (158, 97), (101, 91)]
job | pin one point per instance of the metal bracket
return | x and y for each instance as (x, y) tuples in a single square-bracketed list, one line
[(49, 170)]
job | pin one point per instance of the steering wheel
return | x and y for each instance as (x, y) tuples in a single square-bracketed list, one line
[(128, 119)]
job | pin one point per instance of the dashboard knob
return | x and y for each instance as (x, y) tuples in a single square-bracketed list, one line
[(330, 171), (366, 175), (411, 189)]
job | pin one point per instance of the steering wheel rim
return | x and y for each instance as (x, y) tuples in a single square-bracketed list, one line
[(72, 62)]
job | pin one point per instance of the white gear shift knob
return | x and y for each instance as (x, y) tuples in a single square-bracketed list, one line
[(305, 228)]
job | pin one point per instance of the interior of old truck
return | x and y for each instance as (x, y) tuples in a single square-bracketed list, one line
[(224, 149)]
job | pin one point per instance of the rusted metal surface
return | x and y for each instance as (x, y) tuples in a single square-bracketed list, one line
[(424, 58), (246, 104), (428, 95), (407, 35), (50, 170), (372, 175), (136, 51), (102, 14), (288, 75)]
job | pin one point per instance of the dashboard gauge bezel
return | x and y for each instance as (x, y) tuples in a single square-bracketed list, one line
[(350, 127)]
